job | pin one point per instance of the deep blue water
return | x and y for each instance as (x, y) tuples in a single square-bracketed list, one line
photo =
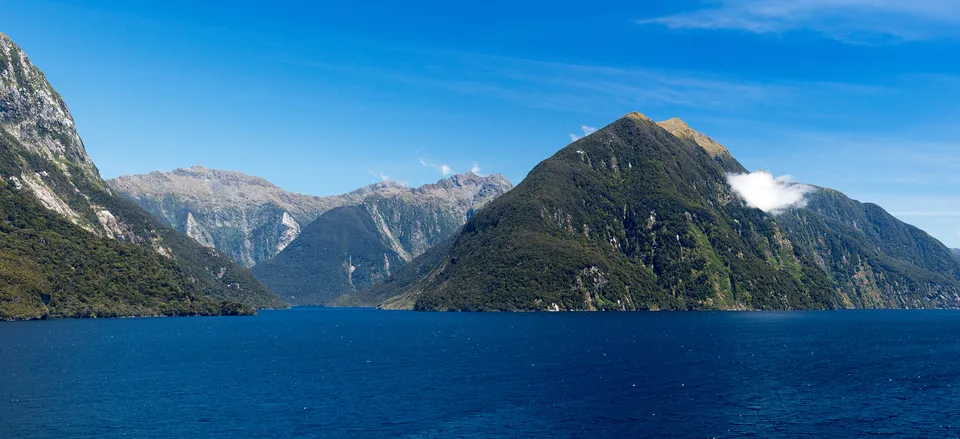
[(337, 373)]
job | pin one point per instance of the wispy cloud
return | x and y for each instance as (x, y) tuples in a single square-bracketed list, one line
[(443, 168), (583, 88), (586, 132), (475, 170), (383, 177), (844, 20)]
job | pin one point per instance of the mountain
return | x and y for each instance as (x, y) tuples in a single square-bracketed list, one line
[(253, 220), (956, 252), (69, 247), (353, 247), (874, 259), (246, 217), (639, 215)]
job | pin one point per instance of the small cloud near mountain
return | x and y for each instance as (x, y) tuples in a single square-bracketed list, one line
[(475, 170), (443, 168), (383, 177), (768, 193), (586, 132)]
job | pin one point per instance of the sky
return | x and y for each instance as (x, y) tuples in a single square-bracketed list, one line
[(324, 97)]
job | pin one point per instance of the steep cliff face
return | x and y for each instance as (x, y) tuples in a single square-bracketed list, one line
[(125, 261), (353, 247)]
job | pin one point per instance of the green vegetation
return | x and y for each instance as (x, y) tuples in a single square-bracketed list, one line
[(51, 268), (315, 268), (633, 217), (400, 280), (213, 274), (875, 260), (630, 217), (22, 288)]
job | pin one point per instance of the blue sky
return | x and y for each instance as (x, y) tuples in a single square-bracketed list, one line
[(323, 97)]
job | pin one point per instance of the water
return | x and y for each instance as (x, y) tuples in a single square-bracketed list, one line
[(316, 373)]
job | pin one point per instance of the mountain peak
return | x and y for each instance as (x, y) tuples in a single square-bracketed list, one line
[(676, 122), (468, 181), (636, 115), (681, 130)]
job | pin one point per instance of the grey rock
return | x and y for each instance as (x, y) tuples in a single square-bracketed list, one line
[(253, 220)]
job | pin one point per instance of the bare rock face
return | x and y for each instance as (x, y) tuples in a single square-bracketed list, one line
[(253, 220)]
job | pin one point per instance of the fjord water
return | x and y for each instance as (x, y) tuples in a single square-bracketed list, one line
[(313, 372)]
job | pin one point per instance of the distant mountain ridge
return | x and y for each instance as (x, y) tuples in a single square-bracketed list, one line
[(246, 217), (639, 215), (69, 247), (353, 247), (250, 218)]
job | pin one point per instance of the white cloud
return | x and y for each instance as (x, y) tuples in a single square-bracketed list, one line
[(475, 170), (443, 168), (383, 177), (586, 132), (768, 193), (844, 20)]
